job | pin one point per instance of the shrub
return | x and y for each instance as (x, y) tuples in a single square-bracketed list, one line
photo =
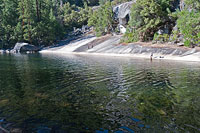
[(161, 38)]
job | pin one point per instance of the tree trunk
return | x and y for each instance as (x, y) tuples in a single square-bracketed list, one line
[(22, 14), (37, 10)]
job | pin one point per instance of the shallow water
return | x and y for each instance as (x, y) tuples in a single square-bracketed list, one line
[(68, 93)]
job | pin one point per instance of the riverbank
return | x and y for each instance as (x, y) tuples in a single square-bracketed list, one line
[(110, 46)]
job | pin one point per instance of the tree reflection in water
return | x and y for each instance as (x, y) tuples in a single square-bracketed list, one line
[(87, 94)]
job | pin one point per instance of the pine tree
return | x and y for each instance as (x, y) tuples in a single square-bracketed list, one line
[(29, 20), (39, 22), (8, 21), (102, 19)]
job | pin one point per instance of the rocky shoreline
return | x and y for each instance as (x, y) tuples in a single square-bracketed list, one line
[(111, 46)]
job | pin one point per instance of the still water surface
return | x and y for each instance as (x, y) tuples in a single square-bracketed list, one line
[(51, 93)]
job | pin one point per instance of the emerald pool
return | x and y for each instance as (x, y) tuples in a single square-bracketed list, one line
[(46, 93)]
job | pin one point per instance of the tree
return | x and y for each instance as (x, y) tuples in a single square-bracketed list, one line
[(8, 20), (73, 16), (102, 19), (147, 17), (188, 22), (115, 2), (39, 22)]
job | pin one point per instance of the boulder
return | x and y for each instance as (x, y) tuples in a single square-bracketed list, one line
[(2, 51), (122, 29), (7, 51), (25, 47), (180, 44)]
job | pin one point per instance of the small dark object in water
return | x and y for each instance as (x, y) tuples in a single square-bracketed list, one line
[(161, 56)]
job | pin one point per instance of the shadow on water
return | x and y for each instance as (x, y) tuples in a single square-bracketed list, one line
[(46, 93)]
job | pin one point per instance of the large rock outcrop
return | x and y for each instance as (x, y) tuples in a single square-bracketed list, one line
[(110, 45), (25, 47), (122, 12)]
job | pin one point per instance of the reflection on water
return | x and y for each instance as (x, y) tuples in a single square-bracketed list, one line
[(49, 93)]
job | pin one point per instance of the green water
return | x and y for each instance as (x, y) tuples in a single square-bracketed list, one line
[(51, 93)]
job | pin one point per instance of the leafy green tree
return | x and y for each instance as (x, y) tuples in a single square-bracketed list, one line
[(147, 17), (194, 4), (72, 16), (29, 20), (102, 19), (188, 22), (48, 29), (189, 25)]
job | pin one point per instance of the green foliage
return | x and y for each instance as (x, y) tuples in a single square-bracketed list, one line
[(189, 25), (147, 16), (40, 22), (74, 16), (193, 4), (8, 21), (161, 38), (174, 35), (102, 19), (130, 36), (116, 2), (80, 3)]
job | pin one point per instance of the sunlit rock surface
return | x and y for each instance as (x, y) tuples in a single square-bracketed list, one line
[(110, 45), (122, 12), (24, 47)]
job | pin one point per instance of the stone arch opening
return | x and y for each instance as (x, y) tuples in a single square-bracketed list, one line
[(127, 18)]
